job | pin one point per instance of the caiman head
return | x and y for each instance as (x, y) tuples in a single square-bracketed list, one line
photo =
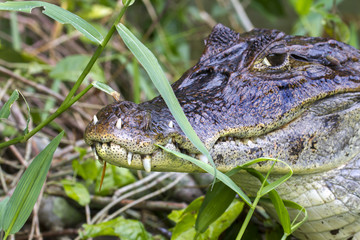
[(258, 94)]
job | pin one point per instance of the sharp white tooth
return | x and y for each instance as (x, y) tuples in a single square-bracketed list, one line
[(95, 153), (203, 158), (147, 163), (129, 157), (95, 119), (171, 124), (119, 123)]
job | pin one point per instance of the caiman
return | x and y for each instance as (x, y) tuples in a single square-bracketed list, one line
[(258, 94)]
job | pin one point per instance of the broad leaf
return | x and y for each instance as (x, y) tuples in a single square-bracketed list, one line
[(57, 13), (87, 169), (125, 229), (185, 221), (115, 178), (76, 191), (71, 67), (216, 201)]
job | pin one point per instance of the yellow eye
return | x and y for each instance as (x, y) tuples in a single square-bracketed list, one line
[(266, 62), (275, 60)]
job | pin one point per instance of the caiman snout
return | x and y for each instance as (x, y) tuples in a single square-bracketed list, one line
[(123, 123), (128, 132)]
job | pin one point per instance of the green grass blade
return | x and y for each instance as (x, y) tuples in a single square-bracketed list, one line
[(106, 88), (57, 13), (153, 68), (294, 205), (216, 201), (279, 206), (269, 188), (219, 175), (2, 210), (276, 183), (5, 110), (103, 87), (22, 201), (15, 34)]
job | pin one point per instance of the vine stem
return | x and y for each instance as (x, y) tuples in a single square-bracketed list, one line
[(70, 98)]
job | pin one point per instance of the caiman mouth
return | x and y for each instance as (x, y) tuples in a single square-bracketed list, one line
[(290, 141), (116, 154)]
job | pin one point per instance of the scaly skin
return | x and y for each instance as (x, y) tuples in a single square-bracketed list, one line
[(258, 94)]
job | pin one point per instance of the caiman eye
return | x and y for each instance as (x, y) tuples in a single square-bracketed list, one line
[(275, 60)]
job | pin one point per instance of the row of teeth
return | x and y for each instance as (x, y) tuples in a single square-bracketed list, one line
[(119, 123), (226, 139), (147, 159)]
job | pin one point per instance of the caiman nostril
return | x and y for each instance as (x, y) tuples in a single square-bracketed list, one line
[(126, 106)]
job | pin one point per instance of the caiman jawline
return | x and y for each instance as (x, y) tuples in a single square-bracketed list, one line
[(146, 159), (124, 155)]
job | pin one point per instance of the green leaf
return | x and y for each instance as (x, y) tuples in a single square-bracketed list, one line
[(206, 167), (120, 227), (294, 205), (87, 169), (153, 68), (97, 11), (70, 68), (353, 40), (15, 33), (76, 191), (216, 201), (115, 178), (276, 183), (103, 87), (2, 210), (5, 110), (185, 221), (279, 206), (22, 201), (82, 152), (129, 2), (57, 13), (269, 188), (302, 7)]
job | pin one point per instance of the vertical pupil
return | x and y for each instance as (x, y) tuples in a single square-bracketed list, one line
[(276, 59)]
